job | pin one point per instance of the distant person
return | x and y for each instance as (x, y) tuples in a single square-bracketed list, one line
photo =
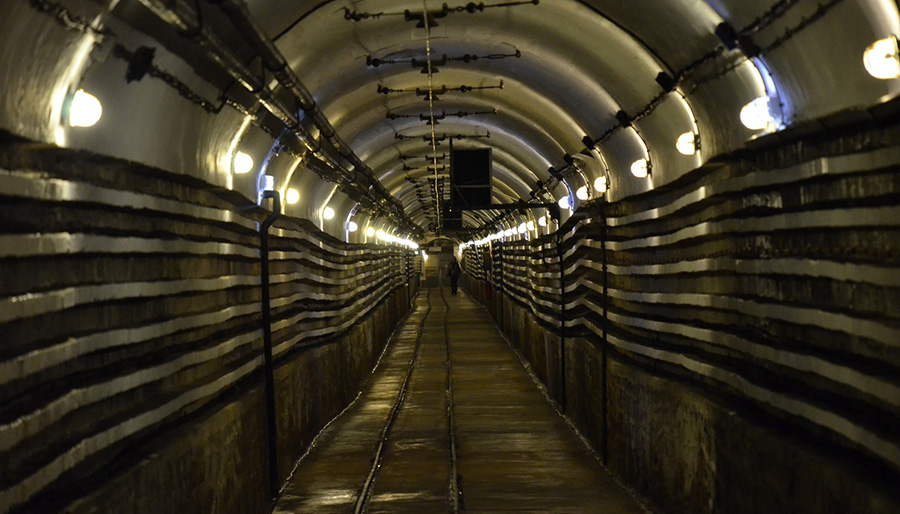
[(453, 271)]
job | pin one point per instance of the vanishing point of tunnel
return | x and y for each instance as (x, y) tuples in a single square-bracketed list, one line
[(389, 256)]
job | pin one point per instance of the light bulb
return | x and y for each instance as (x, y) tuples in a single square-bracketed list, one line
[(85, 110), (370, 232), (522, 228), (327, 213), (242, 163), (542, 221), (530, 226), (882, 58), (582, 193), (293, 196), (686, 143), (640, 168), (600, 185), (352, 226), (756, 115), (564, 202)]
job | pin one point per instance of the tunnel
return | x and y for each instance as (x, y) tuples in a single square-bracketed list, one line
[(226, 228)]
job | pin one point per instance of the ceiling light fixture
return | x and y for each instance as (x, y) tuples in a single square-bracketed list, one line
[(85, 110), (687, 143), (242, 163), (293, 196), (757, 115), (582, 193), (640, 168), (882, 58)]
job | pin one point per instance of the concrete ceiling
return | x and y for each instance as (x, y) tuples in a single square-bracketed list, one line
[(568, 68)]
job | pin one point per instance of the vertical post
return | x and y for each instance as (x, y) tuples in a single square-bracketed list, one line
[(409, 284), (603, 348), (267, 340), (500, 251), (562, 319)]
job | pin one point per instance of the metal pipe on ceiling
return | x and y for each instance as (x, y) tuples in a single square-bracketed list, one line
[(274, 61), (187, 22)]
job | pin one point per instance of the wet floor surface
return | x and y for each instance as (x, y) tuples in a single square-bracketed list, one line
[(450, 421)]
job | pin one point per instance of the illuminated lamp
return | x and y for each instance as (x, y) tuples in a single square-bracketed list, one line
[(242, 163), (370, 232), (352, 226), (640, 168), (686, 143), (85, 110), (327, 213), (542, 221), (600, 185), (522, 228), (530, 226), (882, 58), (756, 115), (293, 196), (565, 202), (582, 193)]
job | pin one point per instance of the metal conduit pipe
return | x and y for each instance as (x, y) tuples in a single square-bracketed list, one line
[(185, 19), (274, 61)]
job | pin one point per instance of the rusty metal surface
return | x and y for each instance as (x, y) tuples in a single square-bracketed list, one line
[(512, 451)]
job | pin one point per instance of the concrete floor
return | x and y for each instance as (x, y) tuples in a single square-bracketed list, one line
[(391, 450)]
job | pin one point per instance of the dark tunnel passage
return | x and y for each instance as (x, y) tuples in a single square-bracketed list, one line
[(224, 223)]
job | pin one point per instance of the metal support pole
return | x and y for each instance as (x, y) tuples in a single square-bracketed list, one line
[(562, 320), (603, 349), (267, 340)]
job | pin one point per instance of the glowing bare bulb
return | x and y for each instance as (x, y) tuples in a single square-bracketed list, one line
[(600, 185), (582, 193), (327, 213), (640, 168), (293, 196), (85, 109), (352, 226), (882, 58), (565, 202), (242, 163), (687, 143), (756, 115), (370, 232)]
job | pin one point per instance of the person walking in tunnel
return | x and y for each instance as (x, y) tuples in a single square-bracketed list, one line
[(453, 271)]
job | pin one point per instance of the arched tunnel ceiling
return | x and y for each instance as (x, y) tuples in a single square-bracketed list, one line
[(578, 64), (568, 69)]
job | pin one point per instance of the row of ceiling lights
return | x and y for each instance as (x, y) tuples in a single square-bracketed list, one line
[(881, 60)]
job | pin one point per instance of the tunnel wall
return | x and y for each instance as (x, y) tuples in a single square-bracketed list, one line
[(131, 355), (731, 339)]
